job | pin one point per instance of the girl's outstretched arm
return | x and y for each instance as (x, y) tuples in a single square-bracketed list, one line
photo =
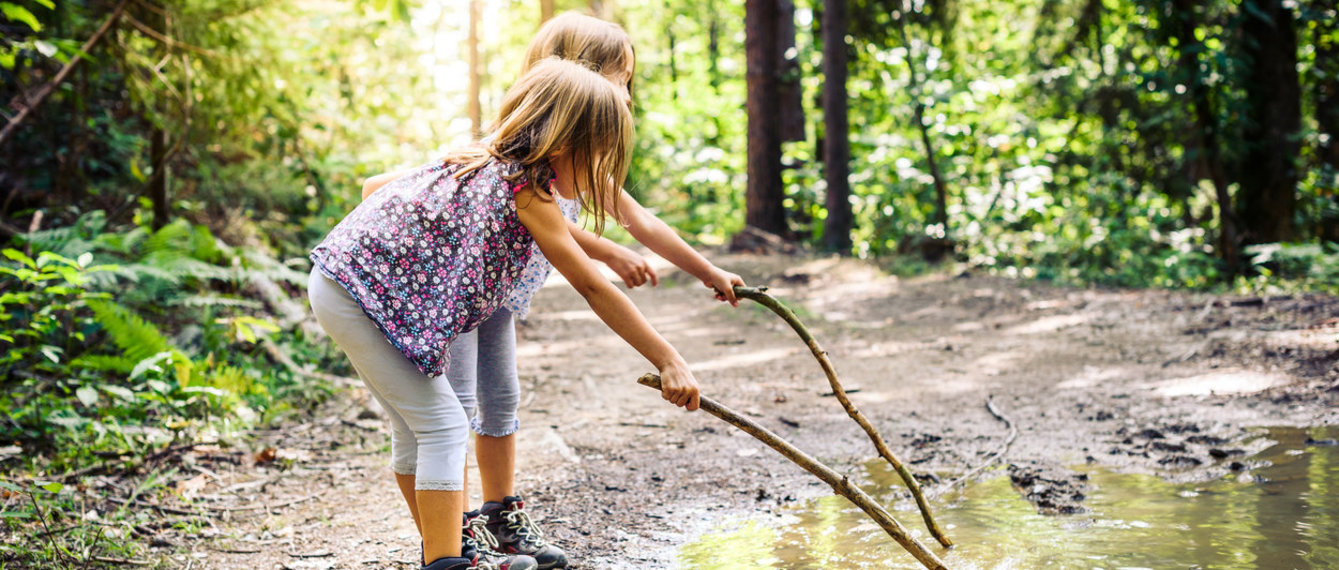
[(376, 182), (549, 229), (657, 235), (631, 267)]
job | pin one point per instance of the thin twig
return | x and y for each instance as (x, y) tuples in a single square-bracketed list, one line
[(125, 561), (758, 295), (211, 508), (44, 91), (1013, 433), (839, 483), (41, 517), (169, 42)]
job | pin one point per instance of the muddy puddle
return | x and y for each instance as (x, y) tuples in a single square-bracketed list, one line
[(1280, 509)]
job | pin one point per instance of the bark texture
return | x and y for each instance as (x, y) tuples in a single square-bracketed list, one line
[(1268, 196), (836, 129), (764, 198)]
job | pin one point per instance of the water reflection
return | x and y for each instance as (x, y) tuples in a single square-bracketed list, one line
[(1284, 516)]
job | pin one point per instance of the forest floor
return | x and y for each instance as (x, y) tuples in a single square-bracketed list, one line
[(1128, 380)]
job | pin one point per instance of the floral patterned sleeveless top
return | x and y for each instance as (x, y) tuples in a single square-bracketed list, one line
[(538, 269), (429, 257)]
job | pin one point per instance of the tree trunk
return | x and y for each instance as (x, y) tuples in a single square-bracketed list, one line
[(764, 205), (1268, 193), (918, 115), (161, 179), (673, 65), (836, 143), (603, 9), (472, 102), (1326, 82), (1204, 138), (713, 47), (545, 11), (788, 73)]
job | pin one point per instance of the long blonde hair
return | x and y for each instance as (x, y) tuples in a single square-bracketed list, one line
[(561, 108), (577, 37)]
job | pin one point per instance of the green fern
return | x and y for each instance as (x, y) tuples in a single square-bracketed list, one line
[(83, 236), (104, 362), (260, 265), (137, 338), (196, 301)]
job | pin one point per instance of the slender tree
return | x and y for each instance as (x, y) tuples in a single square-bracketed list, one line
[(1204, 141), (160, 182), (472, 104), (792, 92), (918, 115), (1325, 89), (836, 144), (1268, 193), (764, 197), (545, 10)]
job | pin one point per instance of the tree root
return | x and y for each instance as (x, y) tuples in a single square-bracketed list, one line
[(1013, 433), (839, 483), (758, 295)]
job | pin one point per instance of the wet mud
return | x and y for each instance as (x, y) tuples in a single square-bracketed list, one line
[(1149, 383)]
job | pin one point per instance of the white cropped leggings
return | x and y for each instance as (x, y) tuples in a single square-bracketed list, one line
[(429, 427)]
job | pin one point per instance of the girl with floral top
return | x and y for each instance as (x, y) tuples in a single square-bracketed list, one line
[(484, 374), (434, 253)]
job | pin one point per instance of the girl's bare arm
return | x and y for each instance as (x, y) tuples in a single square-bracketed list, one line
[(629, 265), (550, 231), (376, 182), (657, 235)]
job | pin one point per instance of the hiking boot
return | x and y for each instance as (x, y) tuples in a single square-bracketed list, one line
[(477, 543), (517, 534), (451, 563)]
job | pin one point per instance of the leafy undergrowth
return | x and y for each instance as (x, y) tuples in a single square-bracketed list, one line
[(122, 350)]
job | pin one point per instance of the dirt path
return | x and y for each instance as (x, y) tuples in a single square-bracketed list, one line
[(1129, 380)]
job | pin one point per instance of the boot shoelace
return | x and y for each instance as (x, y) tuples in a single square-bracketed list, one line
[(479, 531), (519, 520)]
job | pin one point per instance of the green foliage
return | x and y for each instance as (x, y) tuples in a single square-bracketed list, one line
[(46, 514), (152, 345), (1295, 266)]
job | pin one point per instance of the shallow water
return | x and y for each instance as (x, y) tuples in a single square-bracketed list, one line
[(1284, 515)]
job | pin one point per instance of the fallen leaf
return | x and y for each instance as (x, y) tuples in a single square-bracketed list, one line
[(189, 487), (266, 455)]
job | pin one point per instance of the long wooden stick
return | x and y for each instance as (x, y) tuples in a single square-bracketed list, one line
[(45, 90), (758, 295), (839, 483)]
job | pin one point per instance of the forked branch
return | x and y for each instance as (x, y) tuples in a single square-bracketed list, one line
[(839, 483), (757, 295)]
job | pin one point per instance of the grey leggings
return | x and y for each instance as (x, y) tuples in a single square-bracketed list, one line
[(429, 427), (483, 362)]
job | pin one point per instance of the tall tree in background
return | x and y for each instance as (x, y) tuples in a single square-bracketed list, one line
[(160, 153), (918, 115), (545, 10), (1325, 38), (604, 9), (836, 143), (472, 104), (764, 199), (1204, 144), (788, 72), (1268, 194)]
